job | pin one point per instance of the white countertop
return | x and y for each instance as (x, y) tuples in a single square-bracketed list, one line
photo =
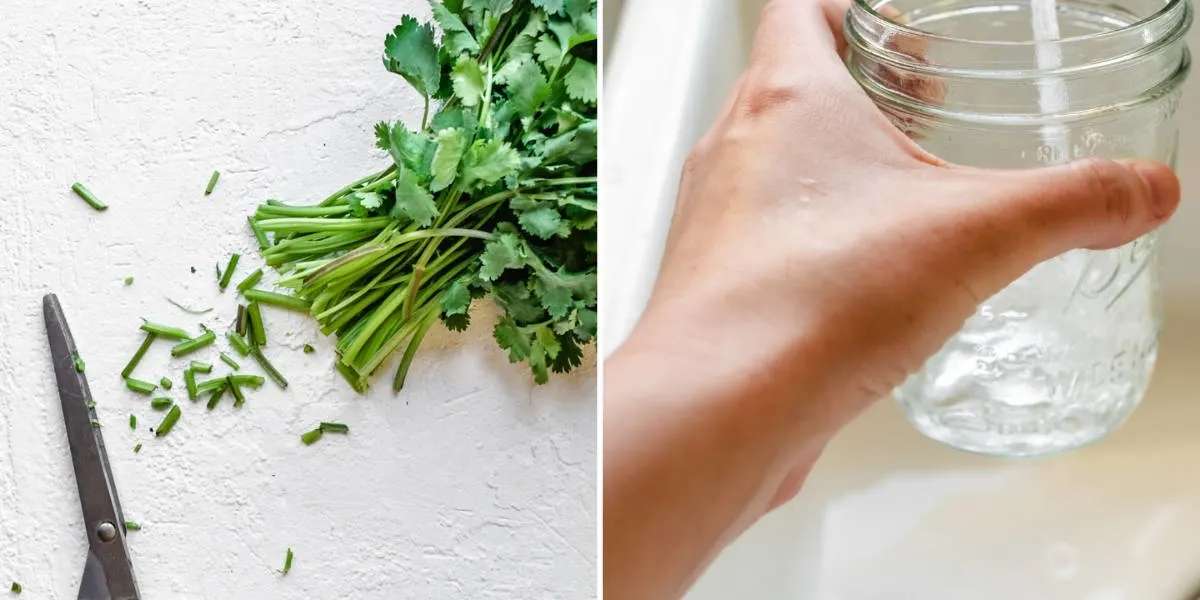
[(471, 484)]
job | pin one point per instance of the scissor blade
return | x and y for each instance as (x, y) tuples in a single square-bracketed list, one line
[(97, 494), (94, 585)]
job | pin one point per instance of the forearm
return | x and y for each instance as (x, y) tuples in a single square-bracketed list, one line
[(694, 450)]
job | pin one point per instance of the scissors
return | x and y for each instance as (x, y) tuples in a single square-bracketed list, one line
[(108, 572)]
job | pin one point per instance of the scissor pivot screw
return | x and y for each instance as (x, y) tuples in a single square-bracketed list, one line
[(107, 532)]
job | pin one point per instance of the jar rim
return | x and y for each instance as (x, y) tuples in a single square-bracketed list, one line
[(1163, 13)]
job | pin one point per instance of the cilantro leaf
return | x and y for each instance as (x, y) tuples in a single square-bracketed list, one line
[(537, 363), (457, 322), (449, 118), (549, 51), (528, 88), (456, 37), (581, 82), (556, 297), (523, 44), (410, 150), (363, 204), (518, 302), (456, 299), (578, 8), (551, 6), (545, 336), (467, 78), (505, 73), (569, 357), (511, 337), (413, 200), (496, 7), (586, 318), (500, 254), (409, 51), (489, 162), (542, 222), (450, 146)]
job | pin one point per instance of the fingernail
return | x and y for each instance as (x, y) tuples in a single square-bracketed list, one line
[(1163, 189)]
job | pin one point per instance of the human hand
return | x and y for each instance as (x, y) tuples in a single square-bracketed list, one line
[(817, 256)]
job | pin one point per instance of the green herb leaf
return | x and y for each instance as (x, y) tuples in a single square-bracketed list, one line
[(543, 222), (581, 82), (456, 299), (488, 162), (413, 201), (467, 78), (451, 143), (457, 39), (511, 337), (409, 51), (550, 6), (500, 254), (528, 88)]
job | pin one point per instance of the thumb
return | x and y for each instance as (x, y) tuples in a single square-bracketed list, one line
[(1092, 203)]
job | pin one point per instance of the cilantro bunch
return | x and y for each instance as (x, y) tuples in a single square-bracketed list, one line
[(493, 194)]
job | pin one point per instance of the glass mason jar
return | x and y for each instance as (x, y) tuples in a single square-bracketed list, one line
[(1061, 357)]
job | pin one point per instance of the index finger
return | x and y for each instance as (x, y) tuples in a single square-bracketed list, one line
[(795, 38)]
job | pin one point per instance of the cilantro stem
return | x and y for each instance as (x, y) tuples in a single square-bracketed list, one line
[(307, 225), (200, 367), (189, 379), (251, 381), (132, 526), (15, 588), (212, 182), (139, 386), (259, 236), (168, 422), (233, 261), (278, 211), (266, 365), (133, 421), (229, 361), (356, 381), (254, 319), (194, 344), (311, 437), (137, 448), (215, 398), (171, 333), (333, 427), (410, 352), (165, 383), (88, 197), (238, 342), (425, 114), (238, 398), (276, 299), (161, 403), (346, 190), (249, 282), (211, 385), (240, 327)]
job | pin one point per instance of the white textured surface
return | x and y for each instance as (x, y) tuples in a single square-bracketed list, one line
[(472, 484)]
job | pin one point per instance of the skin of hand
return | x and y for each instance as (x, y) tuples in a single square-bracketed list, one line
[(817, 256)]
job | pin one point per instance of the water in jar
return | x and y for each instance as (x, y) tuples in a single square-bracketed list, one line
[(1063, 356)]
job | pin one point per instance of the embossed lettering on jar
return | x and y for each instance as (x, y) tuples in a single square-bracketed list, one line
[(1062, 357)]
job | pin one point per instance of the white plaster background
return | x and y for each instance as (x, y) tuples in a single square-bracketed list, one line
[(472, 484)]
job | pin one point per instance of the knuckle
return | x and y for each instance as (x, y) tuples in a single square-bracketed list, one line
[(768, 93), (1109, 182), (692, 163)]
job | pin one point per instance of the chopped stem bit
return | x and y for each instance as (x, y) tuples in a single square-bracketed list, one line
[(238, 342), (254, 316), (308, 349), (212, 182), (229, 361), (233, 261), (263, 242), (238, 398), (253, 381), (168, 421), (266, 365), (128, 281), (194, 344), (249, 282), (201, 367), (287, 562), (88, 197), (133, 421), (16, 587), (137, 448), (189, 379), (211, 385), (165, 383), (95, 424), (334, 427), (311, 437), (171, 333), (216, 397), (161, 403), (137, 356), (139, 386), (79, 364), (276, 299), (132, 526), (241, 320)]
